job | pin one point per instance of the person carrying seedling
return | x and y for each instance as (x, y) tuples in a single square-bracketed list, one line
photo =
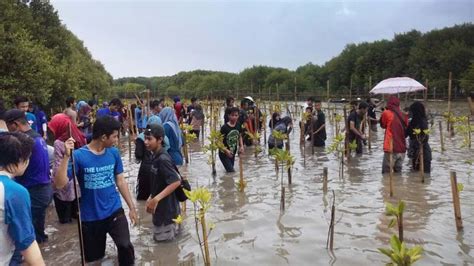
[(232, 140), (354, 122), (283, 125), (162, 203)]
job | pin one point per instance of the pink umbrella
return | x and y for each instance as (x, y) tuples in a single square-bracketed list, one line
[(397, 85)]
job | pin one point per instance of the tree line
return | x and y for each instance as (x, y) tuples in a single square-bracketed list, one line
[(426, 57), (41, 59)]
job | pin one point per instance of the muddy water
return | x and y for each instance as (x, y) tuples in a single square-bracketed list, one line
[(251, 229)]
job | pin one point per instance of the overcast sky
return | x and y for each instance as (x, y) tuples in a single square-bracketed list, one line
[(155, 38)]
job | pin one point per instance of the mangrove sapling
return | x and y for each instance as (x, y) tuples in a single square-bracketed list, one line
[(450, 121), (286, 160), (255, 137), (420, 138), (397, 213), (463, 126), (338, 148), (242, 183), (216, 143), (201, 198), (399, 254), (188, 138)]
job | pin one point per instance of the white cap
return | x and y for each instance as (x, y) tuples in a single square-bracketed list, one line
[(249, 98)]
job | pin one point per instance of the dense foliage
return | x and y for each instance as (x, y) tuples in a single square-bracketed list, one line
[(430, 56), (43, 60)]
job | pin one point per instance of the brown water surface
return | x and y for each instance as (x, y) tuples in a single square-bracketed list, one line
[(251, 229)]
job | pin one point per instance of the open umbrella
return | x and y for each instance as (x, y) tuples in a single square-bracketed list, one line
[(397, 85)]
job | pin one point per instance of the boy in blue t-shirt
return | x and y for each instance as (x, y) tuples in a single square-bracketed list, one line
[(99, 171), (16, 230)]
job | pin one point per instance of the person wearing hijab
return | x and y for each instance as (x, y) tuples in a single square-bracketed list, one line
[(145, 158), (395, 123), (196, 120), (173, 132), (64, 199), (83, 113), (283, 125), (418, 121)]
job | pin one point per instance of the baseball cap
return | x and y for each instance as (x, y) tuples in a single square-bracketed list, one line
[(155, 130), (12, 115)]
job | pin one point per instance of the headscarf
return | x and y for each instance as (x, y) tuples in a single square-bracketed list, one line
[(393, 103), (155, 119), (59, 126), (83, 108), (168, 117)]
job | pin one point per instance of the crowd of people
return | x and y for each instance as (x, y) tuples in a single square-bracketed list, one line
[(82, 170)]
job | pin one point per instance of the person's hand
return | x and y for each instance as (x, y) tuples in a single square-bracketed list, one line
[(363, 137), (241, 149), (133, 216), (151, 205), (229, 154), (69, 146)]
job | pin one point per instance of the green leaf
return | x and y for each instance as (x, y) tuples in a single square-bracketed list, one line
[(392, 223), (395, 244), (460, 187), (386, 252), (401, 207)]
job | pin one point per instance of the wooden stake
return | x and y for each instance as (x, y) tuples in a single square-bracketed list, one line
[(469, 131), (241, 173), (325, 180), (391, 168), (207, 261), (332, 223), (327, 91), (471, 104), (296, 104), (457, 206), (425, 93), (422, 164), (448, 123), (441, 139), (282, 200), (400, 227)]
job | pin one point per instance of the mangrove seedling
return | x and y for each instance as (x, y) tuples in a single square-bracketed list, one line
[(464, 127), (216, 143), (286, 160), (255, 137), (188, 138), (201, 198), (397, 213), (399, 254), (337, 147)]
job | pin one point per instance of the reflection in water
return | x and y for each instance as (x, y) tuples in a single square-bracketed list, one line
[(250, 230)]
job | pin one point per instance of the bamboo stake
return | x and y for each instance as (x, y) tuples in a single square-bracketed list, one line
[(400, 226), (369, 131), (391, 168), (327, 91), (312, 135), (129, 114), (469, 131), (449, 102), (471, 104), (330, 241), (422, 164), (456, 204), (282, 200), (425, 92), (241, 173), (207, 261), (289, 168), (325, 180), (296, 104), (441, 139)]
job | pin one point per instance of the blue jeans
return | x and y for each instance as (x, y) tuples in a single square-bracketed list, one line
[(227, 162), (41, 196)]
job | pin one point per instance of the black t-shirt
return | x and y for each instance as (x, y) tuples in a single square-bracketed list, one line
[(371, 114), (353, 117), (231, 136), (163, 173)]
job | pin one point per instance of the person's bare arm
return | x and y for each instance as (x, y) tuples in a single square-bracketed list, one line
[(123, 188), (152, 203), (355, 130), (33, 255)]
